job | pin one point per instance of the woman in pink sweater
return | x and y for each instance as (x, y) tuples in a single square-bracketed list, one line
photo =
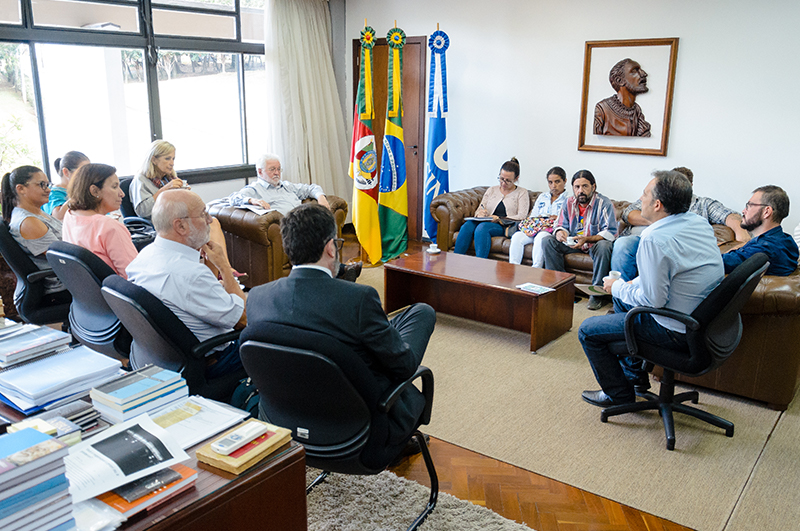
[(94, 192)]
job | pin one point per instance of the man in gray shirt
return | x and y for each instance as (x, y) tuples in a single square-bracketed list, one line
[(623, 257)]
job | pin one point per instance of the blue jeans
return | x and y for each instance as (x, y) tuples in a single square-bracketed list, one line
[(614, 374), (623, 257), (228, 361), (481, 232)]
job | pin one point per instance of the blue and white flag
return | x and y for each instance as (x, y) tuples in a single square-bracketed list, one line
[(436, 174)]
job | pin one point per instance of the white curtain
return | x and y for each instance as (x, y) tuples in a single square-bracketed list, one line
[(306, 125)]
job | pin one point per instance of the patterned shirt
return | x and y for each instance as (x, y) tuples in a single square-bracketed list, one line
[(599, 212), (712, 210)]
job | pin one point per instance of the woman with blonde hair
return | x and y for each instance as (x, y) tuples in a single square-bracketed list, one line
[(156, 175), (94, 192)]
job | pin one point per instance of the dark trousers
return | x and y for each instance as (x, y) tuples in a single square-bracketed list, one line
[(554, 252)]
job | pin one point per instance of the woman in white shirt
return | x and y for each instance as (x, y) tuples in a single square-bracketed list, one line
[(548, 204)]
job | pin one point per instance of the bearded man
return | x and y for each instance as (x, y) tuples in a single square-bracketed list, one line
[(586, 224), (620, 115)]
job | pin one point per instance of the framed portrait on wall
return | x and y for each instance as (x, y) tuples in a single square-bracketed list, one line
[(627, 95)]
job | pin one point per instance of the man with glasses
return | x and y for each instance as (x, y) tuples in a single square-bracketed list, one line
[(272, 193), (762, 216), (312, 299), (170, 269)]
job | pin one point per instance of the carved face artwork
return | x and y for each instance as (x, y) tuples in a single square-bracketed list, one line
[(635, 78)]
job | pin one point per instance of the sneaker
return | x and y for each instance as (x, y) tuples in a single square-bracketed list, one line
[(595, 302)]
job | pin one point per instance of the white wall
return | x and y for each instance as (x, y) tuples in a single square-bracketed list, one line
[(514, 84)]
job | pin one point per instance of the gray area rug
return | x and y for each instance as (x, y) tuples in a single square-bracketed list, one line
[(387, 502)]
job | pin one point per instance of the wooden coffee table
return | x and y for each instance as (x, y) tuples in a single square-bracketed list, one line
[(483, 290)]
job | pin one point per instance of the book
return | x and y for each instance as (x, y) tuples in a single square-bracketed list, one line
[(34, 512), (114, 416), (185, 479), (38, 492), (54, 377), (36, 340), (248, 455), (127, 406), (134, 490), (26, 450), (135, 385), (37, 424), (195, 419)]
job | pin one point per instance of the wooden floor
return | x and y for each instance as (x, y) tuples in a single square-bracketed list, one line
[(528, 498)]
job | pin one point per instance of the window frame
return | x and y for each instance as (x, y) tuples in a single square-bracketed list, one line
[(145, 40)]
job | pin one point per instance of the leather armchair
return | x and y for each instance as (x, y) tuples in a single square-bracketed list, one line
[(254, 242)]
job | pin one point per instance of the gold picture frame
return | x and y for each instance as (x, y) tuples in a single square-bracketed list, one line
[(658, 59)]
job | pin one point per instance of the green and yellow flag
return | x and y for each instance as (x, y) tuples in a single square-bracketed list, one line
[(364, 157), (393, 198)]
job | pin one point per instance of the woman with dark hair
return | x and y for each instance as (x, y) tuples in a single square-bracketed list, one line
[(66, 167), (505, 201), (157, 174), (93, 193), (25, 190)]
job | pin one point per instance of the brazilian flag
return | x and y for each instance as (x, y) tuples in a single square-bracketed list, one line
[(393, 196)]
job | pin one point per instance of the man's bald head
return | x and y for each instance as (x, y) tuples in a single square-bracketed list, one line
[(178, 214)]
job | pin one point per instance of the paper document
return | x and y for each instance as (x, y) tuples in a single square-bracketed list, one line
[(535, 288), (196, 419), (119, 455)]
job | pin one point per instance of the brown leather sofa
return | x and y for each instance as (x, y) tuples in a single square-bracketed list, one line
[(765, 366), (254, 242)]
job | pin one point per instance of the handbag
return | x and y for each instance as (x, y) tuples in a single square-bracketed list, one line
[(245, 397), (532, 226)]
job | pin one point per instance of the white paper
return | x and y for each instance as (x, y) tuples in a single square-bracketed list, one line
[(119, 455), (196, 419)]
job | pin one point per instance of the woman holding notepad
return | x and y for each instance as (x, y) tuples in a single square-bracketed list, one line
[(501, 203)]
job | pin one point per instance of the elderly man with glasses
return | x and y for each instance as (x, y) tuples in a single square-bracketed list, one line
[(170, 269)]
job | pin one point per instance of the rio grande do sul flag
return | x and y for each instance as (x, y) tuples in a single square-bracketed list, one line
[(393, 198), (364, 158), (436, 170)]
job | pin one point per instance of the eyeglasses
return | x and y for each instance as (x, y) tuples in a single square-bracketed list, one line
[(205, 215), (507, 181), (749, 204), (339, 243), (44, 185)]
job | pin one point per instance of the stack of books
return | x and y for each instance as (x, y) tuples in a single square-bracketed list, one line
[(142, 391), (150, 491), (248, 455), (55, 379), (81, 413), (20, 343), (35, 491), (57, 427)]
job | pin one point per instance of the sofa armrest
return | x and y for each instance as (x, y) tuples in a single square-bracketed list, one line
[(449, 211)]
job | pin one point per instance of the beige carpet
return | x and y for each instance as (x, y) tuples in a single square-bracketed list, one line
[(494, 397)]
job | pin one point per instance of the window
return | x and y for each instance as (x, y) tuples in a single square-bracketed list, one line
[(106, 77), (19, 130)]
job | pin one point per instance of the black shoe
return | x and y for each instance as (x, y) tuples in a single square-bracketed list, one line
[(351, 272), (642, 387), (411, 448), (595, 302), (599, 398)]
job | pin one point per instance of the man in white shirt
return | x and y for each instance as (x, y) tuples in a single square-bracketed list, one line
[(270, 192), (170, 268), (679, 265)]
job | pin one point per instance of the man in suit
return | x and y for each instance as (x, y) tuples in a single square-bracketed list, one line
[(311, 298)]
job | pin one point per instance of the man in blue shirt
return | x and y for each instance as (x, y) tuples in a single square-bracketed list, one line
[(762, 216), (679, 265)]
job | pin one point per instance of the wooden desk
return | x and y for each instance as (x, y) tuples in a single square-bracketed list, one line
[(271, 496), (483, 290)]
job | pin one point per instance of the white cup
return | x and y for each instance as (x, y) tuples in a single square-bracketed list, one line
[(570, 240), (434, 247), (614, 274)]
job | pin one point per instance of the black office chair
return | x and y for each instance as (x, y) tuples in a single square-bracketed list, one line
[(141, 229), (29, 296), (91, 320), (320, 389), (713, 332), (162, 339)]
